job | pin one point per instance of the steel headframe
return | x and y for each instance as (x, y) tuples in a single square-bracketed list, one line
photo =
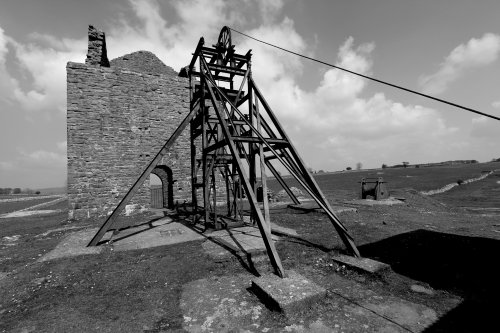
[(234, 136)]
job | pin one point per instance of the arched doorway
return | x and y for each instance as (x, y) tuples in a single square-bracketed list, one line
[(156, 188), (162, 189)]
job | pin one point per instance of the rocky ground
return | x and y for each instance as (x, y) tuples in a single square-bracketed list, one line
[(443, 276)]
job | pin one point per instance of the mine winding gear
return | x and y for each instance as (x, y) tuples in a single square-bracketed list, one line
[(234, 136)]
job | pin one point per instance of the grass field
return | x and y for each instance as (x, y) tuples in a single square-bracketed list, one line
[(345, 185), (449, 250), (12, 206), (483, 194)]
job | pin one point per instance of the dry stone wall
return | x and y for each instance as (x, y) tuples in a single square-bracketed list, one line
[(118, 118)]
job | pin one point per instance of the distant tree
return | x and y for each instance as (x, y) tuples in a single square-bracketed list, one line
[(17, 190), (348, 168), (310, 170), (405, 164), (321, 171), (359, 165), (37, 192), (384, 166)]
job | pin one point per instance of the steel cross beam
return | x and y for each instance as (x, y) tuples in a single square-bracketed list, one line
[(264, 230), (304, 178)]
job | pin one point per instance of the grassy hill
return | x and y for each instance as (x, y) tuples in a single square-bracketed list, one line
[(345, 185)]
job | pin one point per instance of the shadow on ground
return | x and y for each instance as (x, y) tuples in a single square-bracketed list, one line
[(463, 265)]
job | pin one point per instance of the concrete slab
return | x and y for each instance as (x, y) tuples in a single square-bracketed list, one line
[(366, 265), (72, 245), (162, 234), (140, 237), (243, 240), (289, 294)]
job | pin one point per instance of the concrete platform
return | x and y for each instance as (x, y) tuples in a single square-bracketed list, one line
[(221, 243), (75, 244), (365, 265), (159, 233), (288, 295)]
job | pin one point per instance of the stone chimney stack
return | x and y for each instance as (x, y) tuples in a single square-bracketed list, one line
[(96, 53)]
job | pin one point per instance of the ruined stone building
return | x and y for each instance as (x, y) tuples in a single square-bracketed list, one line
[(119, 114)]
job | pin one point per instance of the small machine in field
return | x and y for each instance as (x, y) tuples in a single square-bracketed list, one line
[(374, 187)]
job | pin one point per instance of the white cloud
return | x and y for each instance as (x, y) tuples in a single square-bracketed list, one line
[(476, 53), (269, 9), (338, 85), (8, 85), (496, 104), (332, 122), (333, 125), (43, 61), (43, 158), (270, 64), (172, 43)]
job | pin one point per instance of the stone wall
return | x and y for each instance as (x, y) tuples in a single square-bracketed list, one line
[(118, 118), (97, 53), (143, 62)]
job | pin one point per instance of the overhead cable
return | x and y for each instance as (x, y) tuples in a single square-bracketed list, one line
[(372, 78)]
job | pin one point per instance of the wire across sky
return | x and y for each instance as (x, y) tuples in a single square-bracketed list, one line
[(371, 78)]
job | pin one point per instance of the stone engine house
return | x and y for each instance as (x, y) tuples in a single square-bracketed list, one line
[(119, 115)]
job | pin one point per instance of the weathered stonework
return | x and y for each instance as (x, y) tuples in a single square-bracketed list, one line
[(118, 118), (143, 62), (97, 53)]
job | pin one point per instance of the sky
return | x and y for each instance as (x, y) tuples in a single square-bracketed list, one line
[(446, 48)]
